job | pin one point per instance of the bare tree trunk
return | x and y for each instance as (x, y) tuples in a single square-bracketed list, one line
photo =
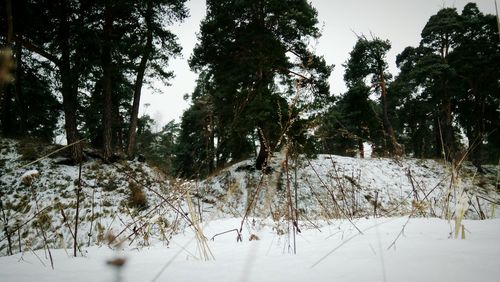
[(18, 92), (448, 138), (134, 116), (10, 23), (78, 190), (6, 109), (447, 125), (7, 116), (389, 131), (69, 84), (476, 144), (211, 144), (438, 137), (261, 162), (107, 87)]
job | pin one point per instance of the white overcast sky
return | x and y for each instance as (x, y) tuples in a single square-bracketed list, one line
[(400, 21)]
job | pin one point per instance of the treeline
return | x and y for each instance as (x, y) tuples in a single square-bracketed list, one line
[(85, 62), (447, 91), (261, 88)]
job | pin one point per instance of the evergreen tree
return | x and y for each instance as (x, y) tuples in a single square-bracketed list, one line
[(158, 147), (367, 61), (196, 151), (153, 47), (255, 55), (28, 104), (450, 82), (475, 60), (349, 123), (55, 30), (98, 47)]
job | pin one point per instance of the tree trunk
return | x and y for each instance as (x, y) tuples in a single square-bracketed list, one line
[(134, 116), (117, 127), (448, 139), (210, 143), (69, 92), (7, 93), (7, 114), (261, 162), (10, 22), (438, 136), (107, 87), (361, 148), (69, 86), (447, 125), (476, 144), (18, 92), (389, 131)]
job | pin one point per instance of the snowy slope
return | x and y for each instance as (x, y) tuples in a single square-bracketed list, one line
[(37, 207), (394, 187), (329, 189)]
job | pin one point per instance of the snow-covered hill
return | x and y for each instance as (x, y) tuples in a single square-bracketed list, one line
[(360, 187), (170, 221), (39, 200)]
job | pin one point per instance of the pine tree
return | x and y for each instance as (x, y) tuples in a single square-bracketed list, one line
[(438, 39), (157, 15), (450, 81), (475, 60), (255, 53), (53, 30), (367, 61)]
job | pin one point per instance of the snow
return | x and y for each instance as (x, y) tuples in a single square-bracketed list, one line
[(30, 174), (28, 177), (424, 253), (328, 249), (360, 180)]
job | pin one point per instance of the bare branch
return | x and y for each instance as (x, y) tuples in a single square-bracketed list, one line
[(33, 48)]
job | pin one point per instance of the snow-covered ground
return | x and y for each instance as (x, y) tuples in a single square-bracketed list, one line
[(335, 252), (361, 187), (39, 211)]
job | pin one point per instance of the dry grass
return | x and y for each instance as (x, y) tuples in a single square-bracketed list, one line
[(137, 198)]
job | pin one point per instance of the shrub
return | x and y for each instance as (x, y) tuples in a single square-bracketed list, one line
[(137, 197)]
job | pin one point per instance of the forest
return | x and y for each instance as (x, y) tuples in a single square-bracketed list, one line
[(80, 67), (267, 160)]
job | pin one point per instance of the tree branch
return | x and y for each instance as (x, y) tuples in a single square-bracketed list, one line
[(297, 74), (33, 48)]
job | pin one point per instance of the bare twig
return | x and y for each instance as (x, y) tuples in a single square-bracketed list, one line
[(78, 189), (91, 218), (333, 197), (6, 229)]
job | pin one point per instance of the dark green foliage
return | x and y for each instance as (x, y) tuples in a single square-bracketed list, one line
[(63, 44), (368, 62), (350, 122), (196, 149), (252, 57), (356, 118), (158, 147), (475, 60), (450, 83), (261, 86), (29, 106), (447, 85)]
